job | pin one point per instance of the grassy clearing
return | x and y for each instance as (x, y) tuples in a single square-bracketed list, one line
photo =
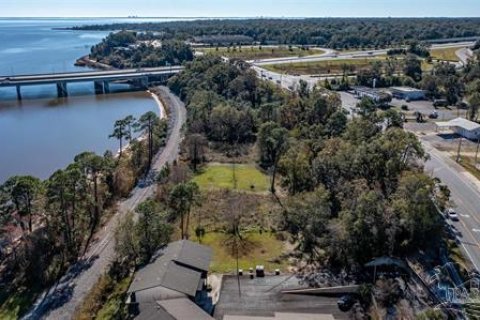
[(447, 54), (255, 53), (323, 67), (468, 163), (259, 249), (228, 176)]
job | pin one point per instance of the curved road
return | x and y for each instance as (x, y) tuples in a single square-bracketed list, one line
[(60, 302), (290, 82)]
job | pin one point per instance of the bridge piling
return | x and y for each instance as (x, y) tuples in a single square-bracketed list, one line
[(106, 87), (99, 87), (19, 93), (62, 89)]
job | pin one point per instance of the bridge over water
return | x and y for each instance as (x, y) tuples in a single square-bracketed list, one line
[(101, 79)]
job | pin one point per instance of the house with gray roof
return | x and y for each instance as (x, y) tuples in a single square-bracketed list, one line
[(172, 287)]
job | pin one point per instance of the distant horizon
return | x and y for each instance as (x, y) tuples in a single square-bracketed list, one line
[(237, 17), (246, 8)]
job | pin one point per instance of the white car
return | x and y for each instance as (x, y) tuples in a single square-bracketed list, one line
[(452, 215)]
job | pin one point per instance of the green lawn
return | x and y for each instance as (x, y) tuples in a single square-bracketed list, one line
[(255, 53), (259, 249), (223, 176), (468, 163), (323, 67), (445, 54)]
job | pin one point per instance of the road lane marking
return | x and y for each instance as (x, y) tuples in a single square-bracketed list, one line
[(465, 215), (465, 248)]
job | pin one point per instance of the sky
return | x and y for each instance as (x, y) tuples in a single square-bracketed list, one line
[(239, 8)]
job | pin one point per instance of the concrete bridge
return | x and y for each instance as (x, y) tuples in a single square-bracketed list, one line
[(101, 79)]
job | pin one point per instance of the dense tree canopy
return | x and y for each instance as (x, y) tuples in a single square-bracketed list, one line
[(330, 32)]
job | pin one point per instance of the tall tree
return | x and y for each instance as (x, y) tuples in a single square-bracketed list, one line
[(151, 230), (272, 143), (23, 191), (181, 200), (195, 145), (146, 124), (413, 67), (93, 168), (120, 132)]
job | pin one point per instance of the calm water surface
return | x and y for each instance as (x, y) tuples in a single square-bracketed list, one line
[(42, 133)]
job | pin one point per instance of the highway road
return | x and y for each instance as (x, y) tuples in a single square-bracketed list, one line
[(332, 55), (465, 193), (60, 301)]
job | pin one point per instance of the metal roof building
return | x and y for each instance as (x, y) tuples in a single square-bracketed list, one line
[(172, 286), (407, 93), (462, 127)]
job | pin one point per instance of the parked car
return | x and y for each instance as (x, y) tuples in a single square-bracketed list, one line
[(346, 302), (440, 103), (452, 214), (433, 115)]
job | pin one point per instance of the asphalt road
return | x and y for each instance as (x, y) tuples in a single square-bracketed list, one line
[(465, 193), (61, 300), (338, 55)]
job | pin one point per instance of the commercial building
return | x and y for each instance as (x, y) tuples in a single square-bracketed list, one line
[(272, 298), (463, 127), (173, 287), (407, 93), (379, 96)]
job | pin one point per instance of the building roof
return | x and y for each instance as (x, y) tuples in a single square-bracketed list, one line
[(461, 123), (191, 254), (172, 309), (183, 309), (406, 89), (163, 287), (179, 267), (284, 316), (263, 299)]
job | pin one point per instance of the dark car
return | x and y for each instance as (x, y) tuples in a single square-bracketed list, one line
[(440, 103), (346, 302)]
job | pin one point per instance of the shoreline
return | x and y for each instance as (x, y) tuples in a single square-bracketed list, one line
[(85, 61), (162, 115)]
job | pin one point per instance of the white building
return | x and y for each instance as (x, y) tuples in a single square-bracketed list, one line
[(377, 95), (463, 127)]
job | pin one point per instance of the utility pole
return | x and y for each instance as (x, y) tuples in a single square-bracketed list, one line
[(459, 149), (476, 153)]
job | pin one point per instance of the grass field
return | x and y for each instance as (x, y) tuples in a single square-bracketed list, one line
[(322, 67), (468, 163), (256, 53), (227, 176), (445, 54), (259, 249)]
